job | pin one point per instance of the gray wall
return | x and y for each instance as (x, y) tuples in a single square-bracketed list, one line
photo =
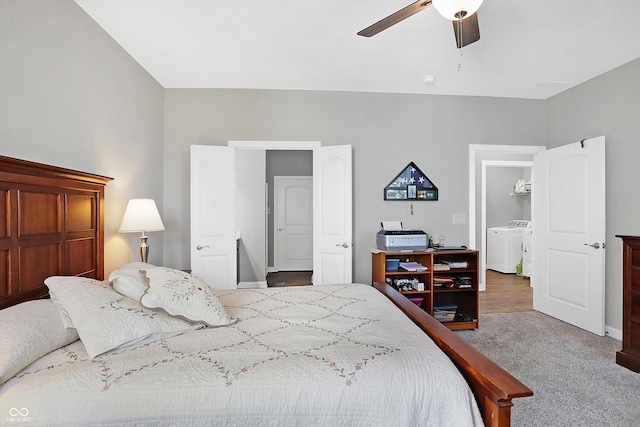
[(607, 105), (71, 96), (387, 131), (502, 204)]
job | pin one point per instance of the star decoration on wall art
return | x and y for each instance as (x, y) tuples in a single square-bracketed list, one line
[(411, 184)]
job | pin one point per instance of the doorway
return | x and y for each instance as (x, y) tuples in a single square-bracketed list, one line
[(332, 206), (492, 156), (500, 204), (285, 167)]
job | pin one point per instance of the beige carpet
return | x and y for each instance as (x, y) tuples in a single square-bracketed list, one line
[(572, 373)]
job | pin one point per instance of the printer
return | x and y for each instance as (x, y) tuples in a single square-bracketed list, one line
[(394, 238)]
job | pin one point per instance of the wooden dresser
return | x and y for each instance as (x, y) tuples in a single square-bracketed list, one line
[(629, 356)]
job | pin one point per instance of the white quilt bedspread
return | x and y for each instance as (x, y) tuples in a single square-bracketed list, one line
[(338, 355)]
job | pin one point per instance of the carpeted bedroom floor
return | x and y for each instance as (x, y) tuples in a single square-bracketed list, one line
[(572, 373)]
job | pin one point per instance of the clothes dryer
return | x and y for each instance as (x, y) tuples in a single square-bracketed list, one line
[(504, 246)]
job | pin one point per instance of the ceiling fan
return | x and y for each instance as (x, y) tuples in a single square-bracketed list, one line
[(461, 12)]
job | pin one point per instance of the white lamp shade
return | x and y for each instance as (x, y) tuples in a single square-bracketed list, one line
[(141, 215), (449, 8)]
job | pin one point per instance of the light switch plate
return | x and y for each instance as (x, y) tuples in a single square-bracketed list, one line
[(460, 218)]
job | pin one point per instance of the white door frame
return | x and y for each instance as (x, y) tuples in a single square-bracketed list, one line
[(276, 185), (274, 145), (475, 150), (327, 153)]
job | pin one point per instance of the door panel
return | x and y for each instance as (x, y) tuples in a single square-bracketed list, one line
[(568, 218), (570, 273), (332, 207), (213, 240)]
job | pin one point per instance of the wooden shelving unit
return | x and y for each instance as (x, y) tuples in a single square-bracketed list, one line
[(460, 303)]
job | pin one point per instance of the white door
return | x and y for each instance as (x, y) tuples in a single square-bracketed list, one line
[(569, 233), (294, 223), (213, 239), (332, 206)]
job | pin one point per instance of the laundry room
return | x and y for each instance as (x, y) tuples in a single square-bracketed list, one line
[(508, 219)]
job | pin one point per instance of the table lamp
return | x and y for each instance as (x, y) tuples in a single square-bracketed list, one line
[(141, 215)]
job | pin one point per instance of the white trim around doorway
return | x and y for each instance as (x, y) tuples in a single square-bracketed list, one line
[(474, 151)]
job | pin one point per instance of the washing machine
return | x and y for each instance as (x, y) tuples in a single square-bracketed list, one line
[(504, 246)]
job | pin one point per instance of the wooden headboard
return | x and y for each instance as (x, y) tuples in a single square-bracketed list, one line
[(51, 223)]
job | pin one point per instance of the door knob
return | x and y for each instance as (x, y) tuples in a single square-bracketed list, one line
[(201, 247), (344, 245), (281, 229), (593, 245)]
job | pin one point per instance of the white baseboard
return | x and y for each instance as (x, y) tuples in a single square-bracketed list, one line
[(613, 332), (272, 269), (253, 285)]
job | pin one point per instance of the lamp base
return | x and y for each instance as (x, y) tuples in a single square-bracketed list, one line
[(144, 248)]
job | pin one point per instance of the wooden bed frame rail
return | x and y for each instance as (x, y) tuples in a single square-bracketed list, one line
[(493, 387)]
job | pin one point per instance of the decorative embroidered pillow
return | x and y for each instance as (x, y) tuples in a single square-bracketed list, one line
[(106, 320), (183, 295), (29, 331)]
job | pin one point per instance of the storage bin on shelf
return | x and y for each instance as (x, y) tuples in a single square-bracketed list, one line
[(391, 264), (417, 301), (443, 310)]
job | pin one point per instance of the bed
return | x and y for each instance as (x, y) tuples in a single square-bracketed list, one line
[(349, 354)]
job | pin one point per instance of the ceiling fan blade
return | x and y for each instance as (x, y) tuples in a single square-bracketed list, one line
[(394, 18), (467, 31)]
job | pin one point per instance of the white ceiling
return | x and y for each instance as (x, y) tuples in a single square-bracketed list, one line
[(528, 49)]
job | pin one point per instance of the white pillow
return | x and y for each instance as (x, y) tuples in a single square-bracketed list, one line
[(106, 320), (28, 331), (66, 320), (130, 282), (183, 295)]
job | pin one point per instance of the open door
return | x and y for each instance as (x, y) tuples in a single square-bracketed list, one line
[(569, 233), (332, 207), (213, 222), (213, 229)]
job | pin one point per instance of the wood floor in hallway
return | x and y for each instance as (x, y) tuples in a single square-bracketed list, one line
[(506, 293), (291, 278)]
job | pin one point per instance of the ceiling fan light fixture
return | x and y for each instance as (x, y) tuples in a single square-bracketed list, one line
[(456, 10)]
